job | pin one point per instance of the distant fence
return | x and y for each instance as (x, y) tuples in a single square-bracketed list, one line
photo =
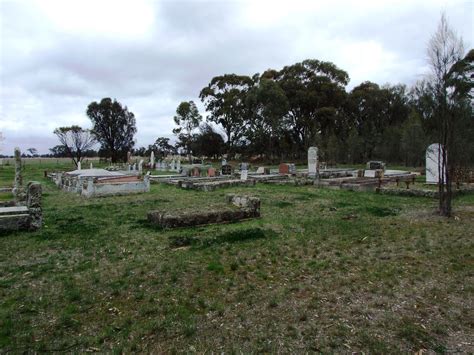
[(47, 161)]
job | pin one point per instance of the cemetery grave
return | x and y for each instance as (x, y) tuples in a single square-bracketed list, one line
[(24, 211), (320, 268), (248, 207)]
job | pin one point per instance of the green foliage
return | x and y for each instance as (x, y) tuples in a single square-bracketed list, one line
[(113, 126), (187, 119), (225, 100)]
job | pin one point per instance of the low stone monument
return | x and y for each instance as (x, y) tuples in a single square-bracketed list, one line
[(312, 161), (434, 158), (240, 208), (21, 217), (244, 175)]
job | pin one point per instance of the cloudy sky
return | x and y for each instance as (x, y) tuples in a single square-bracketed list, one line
[(57, 56)]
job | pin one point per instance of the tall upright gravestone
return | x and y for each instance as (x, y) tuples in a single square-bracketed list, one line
[(18, 182), (434, 159), (312, 161), (152, 160)]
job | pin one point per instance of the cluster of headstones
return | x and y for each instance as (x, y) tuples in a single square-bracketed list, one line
[(174, 165)]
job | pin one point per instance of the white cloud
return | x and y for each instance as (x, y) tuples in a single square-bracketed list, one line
[(58, 56)]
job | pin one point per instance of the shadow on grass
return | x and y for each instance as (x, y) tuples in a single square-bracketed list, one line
[(199, 242), (382, 211)]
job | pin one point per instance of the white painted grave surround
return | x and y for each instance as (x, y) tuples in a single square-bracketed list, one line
[(434, 156), (312, 160)]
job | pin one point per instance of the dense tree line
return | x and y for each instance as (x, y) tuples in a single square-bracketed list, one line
[(280, 113)]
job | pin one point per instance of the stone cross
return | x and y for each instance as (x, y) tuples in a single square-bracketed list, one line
[(434, 159), (312, 161)]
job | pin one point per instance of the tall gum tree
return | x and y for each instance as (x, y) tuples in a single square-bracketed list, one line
[(114, 127), (445, 49)]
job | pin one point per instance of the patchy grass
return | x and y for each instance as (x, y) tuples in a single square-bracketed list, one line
[(321, 271)]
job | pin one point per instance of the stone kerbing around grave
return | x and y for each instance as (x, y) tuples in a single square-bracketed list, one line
[(241, 208), (20, 217)]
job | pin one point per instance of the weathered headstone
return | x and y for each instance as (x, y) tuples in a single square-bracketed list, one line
[(312, 161), (244, 175), (196, 172), (33, 201), (211, 172), (226, 169), (434, 158), (224, 162), (152, 160), (18, 182), (285, 168), (375, 165)]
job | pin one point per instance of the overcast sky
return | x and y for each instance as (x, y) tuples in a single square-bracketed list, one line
[(58, 56)]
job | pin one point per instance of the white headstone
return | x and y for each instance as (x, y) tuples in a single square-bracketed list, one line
[(312, 160), (244, 175), (261, 170), (370, 173), (434, 158), (140, 165), (78, 165), (224, 162), (152, 159)]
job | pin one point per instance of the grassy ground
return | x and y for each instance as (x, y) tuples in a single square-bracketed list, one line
[(321, 271)]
